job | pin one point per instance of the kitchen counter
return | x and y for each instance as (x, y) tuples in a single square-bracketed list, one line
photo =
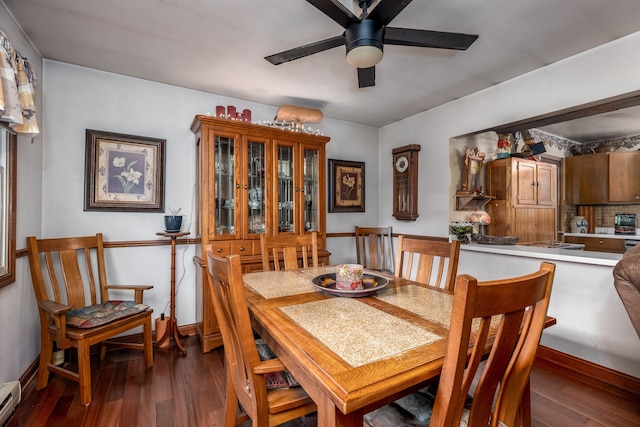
[(551, 254), (607, 233), (592, 323)]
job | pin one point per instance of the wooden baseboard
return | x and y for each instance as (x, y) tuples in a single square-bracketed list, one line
[(587, 372)]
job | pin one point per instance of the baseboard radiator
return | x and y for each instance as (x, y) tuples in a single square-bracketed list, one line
[(10, 396)]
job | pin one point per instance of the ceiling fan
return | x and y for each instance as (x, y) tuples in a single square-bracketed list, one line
[(364, 37)]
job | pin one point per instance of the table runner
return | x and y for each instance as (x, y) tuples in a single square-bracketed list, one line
[(357, 332)]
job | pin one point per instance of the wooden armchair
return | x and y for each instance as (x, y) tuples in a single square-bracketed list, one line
[(516, 308), (374, 248), (286, 249), (246, 383), (436, 260), (70, 283)]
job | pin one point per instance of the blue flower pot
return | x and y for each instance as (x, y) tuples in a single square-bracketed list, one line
[(172, 223)]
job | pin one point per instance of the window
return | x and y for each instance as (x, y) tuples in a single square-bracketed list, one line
[(7, 206)]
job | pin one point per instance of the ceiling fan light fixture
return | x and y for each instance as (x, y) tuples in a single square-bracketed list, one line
[(364, 43)]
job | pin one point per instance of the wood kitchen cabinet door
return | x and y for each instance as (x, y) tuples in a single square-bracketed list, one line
[(624, 177), (546, 184), (585, 180), (525, 182)]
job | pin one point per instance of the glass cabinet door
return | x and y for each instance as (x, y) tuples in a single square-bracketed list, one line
[(255, 186), (311, 191), (286, 189), (225, 186)]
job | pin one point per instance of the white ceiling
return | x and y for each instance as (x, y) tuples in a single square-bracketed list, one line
[(218, 46)]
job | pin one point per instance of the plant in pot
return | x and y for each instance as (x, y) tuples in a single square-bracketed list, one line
[(173, 222)]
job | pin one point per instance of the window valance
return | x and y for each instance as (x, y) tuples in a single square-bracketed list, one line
[(17, 94)]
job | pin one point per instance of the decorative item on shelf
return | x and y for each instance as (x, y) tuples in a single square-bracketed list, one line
[(462, 230), (531, 148), (504, 146), (578, 224), (173, 222), (481, 218), (471, 172)]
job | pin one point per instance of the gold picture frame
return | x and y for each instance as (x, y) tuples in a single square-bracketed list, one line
[(124, 172), (346, 186)]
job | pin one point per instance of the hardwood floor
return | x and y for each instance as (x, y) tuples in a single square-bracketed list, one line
[(189, 391)]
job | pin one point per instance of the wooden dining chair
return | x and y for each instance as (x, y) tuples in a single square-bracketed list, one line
[(516, 308), (70, 283), (286, 251), (435, 260), (374, 248), (246, 382)]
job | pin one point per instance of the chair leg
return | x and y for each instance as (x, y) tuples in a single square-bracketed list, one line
[(525, 405), (148, 344), (231, 403), (84, 372), (46, 351), (103, 351)]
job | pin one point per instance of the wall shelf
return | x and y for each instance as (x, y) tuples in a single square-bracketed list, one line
[(472, 202)]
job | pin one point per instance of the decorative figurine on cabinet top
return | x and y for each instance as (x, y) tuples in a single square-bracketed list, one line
[(471, 182)]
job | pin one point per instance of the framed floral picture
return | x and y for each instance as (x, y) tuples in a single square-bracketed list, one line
[(123, 172), (346, 186)]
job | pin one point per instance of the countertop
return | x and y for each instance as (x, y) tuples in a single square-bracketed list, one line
[(558, 254), (607, 233)]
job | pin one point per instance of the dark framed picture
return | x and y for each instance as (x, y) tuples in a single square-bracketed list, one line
[(346, 186), (123, 172)]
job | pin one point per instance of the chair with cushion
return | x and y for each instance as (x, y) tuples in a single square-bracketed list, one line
[(374, 248), (70, 283), (435, 260), (626, 279), (247, 375), (501, 396), (286, 250)]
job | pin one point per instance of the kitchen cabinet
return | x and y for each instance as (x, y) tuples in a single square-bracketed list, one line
[(250, 180), (598, 244), (525, 199), (603, 178)]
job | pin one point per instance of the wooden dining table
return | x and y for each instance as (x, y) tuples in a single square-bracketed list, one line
[(351, 355)]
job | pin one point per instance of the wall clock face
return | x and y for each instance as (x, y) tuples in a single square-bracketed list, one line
[(402, 163)]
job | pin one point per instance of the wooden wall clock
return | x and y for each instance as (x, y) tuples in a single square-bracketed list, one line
[(405, 182)]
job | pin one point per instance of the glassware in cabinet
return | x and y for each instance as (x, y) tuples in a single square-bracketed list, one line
[(286, 188), (225, 186), (311, 177), (256, 187)]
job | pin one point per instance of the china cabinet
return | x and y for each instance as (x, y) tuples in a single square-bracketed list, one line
[(252, 179), (525, 203)]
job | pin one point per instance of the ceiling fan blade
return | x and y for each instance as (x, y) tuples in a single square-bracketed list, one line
[(366, 77), (306, 50), (336, 11), (386, 10), (427, 38)]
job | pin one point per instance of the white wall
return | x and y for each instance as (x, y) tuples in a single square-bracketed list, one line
[(19, 327), (603, 72), (78, 98)]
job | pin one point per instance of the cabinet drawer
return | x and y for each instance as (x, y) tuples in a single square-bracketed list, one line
[(221, 248), (242, 247), (598, 244)]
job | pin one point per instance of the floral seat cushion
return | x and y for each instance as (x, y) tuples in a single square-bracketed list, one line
[(99, 314)]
